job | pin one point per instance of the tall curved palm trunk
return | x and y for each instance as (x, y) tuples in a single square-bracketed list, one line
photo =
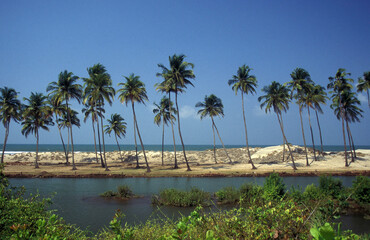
[(313, 140), (173, 132), (344, 134), (141, 141), (70, 129), (7, 124), (162, 141), (246, 134), (102, 135), (64, 147), (349, 141), (137, 157), (353, 144), (96, 152), (282, 131), (213, 123), (214, 144), (318, 123), (304, 139), (119, 149), (178, 125), (101, 156), (37, 148)]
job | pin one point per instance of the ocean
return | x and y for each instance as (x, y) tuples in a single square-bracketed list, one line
[(14, 148)]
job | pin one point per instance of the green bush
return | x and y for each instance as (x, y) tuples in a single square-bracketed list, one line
[(331, 186), (124, 191), (274, 187), (250, 194), (361, 189), (109, 194), (312, 192), (296, 194), (178, 198), (228, 195)]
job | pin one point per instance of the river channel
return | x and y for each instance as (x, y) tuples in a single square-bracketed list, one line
[(78, 201)]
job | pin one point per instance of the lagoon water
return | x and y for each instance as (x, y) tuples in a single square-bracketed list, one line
[(78, 201)]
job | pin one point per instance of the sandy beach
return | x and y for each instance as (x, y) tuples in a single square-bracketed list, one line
[(202, 163)]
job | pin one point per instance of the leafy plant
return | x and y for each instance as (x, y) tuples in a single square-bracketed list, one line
[(274, 187), (361, 189), (228, 195), (331, 186)]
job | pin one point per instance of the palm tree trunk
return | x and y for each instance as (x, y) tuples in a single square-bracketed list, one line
[(246, 134), (344, 134), (70, 122), (101, 156), (283, 140), (173, 132), (64, 147), (93, 126), (137, 157), (214, 143), (221, 141), (178, 125), (318, 123), (304, 139), (37, 148), (119, 149), (162, 141), (368, 97), (141, 141), (68, 140), (5, 140), (290, 151), (349, 142), (102, 136), (353, 144), (313, 141)]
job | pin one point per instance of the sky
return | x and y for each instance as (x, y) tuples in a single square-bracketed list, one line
[(39, 39)]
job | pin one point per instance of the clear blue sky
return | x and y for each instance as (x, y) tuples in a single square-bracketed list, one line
[(39, 39)]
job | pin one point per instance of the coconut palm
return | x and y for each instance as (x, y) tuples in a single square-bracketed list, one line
[(133, 90), (352, 113), (66, 89), (178, 75), (117, 124), (58, 109), (64, 122), (364, 85), (319, 96), (245, 83), (163, 115), (98, 89), (168, 86), (277, 97), (10, 108), (301, 81), (341, 84), (36, 115), (212, 107), (89, 110)]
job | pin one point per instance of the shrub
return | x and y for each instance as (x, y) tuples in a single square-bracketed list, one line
[(361, 189), (178, 198), (312, 192), (250, 194), (331, 186), (109, 194), (296, 194), (124, 191), (228, 195), (274, 187)]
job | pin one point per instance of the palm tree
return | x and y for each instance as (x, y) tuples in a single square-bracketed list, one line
[(319, 96), (301, 81), (212, 106), (277, 97), (10, 108), (98, 90), (64, 122), (133, 90), (352, 113), (168, 86), (36, 115), (64, 90), (245, 83), (118, 126), (163, 115), (59, 109), (364, 85), (89, 110), (340, 84), (178, 76)]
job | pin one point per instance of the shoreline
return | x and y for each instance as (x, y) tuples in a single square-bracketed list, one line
[(266, 159)]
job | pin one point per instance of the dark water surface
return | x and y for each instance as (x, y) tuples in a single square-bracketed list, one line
[(78, 201)]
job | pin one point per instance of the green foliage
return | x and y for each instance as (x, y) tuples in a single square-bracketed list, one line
[(109, 194), (274, 187), (361, 189), (312, 192), (178, 198), (327, 232), (250, 194), (331, 186), (296, 194), (124, 191), (228, 195)]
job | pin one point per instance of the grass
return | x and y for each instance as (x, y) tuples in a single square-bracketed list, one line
[(178, 198), (123, 192)]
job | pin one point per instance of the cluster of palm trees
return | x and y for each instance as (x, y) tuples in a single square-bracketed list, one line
[(39, 110)]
